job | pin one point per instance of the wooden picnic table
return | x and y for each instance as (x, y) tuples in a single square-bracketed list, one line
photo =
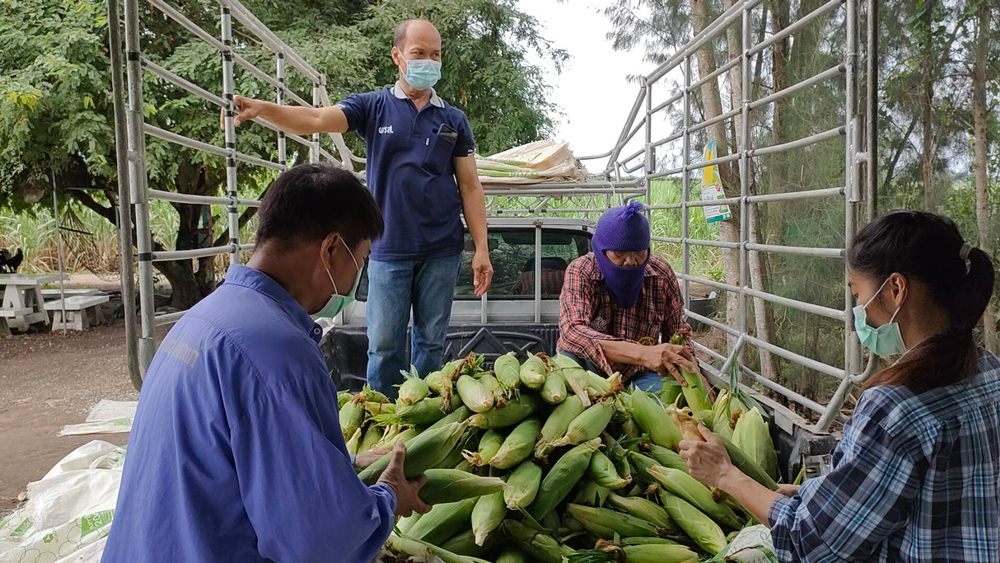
[(23, 304)]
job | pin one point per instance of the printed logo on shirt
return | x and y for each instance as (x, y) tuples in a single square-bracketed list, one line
[(385, 130)]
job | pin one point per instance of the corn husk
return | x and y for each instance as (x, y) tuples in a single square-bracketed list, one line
[(654, 420), (413, 388), (588, 425), (522, 485), (352, 444), (556, 425), (753, 436), (518, 445), (474, 394), (538, 546), (667, 457), (659, 553), (423, 452), (508, 371), (691, 490), (427, 550), (491, 384), (489, 512), (533, 372), (371, 436), (603, 472), (512, 556), (574, 375), (459, 414), (352, 416), (553, 390), (605, 523), (695, 392), (428, 410), (563, 476), (453, 485), (444, 521), (489, 445), (515, 411), (464, 544), (695, 523), (646, 510)]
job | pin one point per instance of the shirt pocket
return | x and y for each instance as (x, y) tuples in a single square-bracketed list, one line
[(440, 147)]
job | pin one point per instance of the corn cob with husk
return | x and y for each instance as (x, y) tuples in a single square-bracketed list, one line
[(753, 436), (686, 425), (413, 388), (518, 444), (352, 444), (646, 510), (423, 452), (512, 556), (453, 485), (648, 541), (444, 521), (588, 425), (725, 413), (488, 447), (342, 398), (538, 546), (489, 512), (553, 390), (671, 390), (427, 550), (403, 525), (352, 416), (442, 381), (605, 523), (556, 425), (465, 544), (508, 371), (371, 436), (390, 438), (574, 375), (515, 411), (695, 523), (603, 472), (602, 385), (427, 410), (522, 485), (695, 392), (659, 553), (459, 414), (491, 384), (654, 420), (474, 394), (533, 372), (563, 476), (590, 493), (691, 490), (641, 465)]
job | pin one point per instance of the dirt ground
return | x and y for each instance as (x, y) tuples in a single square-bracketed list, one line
[(47, 381)]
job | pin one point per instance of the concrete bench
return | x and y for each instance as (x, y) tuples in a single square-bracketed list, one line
[(9, 313), (82, 311), (54, 293)]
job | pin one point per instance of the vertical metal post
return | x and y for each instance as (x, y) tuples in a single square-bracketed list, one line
[(538, 271), (62, 281), (852, 352), (280, 99), (124, 201), (314, 150), (686, 187), (743, 145), (228, 89), (871, 111), (138, 184), (650, 164)]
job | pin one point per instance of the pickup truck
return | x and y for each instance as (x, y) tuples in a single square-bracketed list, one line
[(520, 312)]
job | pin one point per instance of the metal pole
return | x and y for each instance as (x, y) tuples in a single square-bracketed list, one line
[(228, 88), (280, 99), (650, 159), (744, 149), (686, 188), (538, 271), (124, 201), (314, 150), (138, 184), (871, 111), (62, 281)]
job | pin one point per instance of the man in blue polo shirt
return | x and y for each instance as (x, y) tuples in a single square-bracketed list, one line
[(421, 167)]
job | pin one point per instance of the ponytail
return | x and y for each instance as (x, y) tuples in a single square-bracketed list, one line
[(928, 248)]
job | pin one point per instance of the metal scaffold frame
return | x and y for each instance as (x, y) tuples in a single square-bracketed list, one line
[(132, 130)]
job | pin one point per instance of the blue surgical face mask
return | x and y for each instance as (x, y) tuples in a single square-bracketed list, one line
[(338, 302), (422, 73), (885, 340)]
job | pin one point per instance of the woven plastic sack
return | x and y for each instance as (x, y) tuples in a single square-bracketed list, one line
[(540, 161), (751, 545)]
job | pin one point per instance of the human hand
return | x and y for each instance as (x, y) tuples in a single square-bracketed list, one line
[(666, 358), (247, 109), (364, 459), (407, 492), (788, 490), (482, 271), (707, 461)]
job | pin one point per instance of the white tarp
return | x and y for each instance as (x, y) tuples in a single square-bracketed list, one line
[(107, 417), (541, 161)]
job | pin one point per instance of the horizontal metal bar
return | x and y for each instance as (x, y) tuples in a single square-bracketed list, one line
[(709, 202), (289, 94), (699, 242), (632, 169), (261, 162), (710, 283), (803, 306), (721, 117), (168, 318), (192, 253), (545, 210), (803, 142), (665, 206), (714, 161), (669, 139), (596, 156), (673, 100), (785, 92), (569, 188), (715, 73), (249, 66), (802, 22), (712, 323), (326, 153), (803, 361), (248, 202), (181, 82), (245, 247), (806, 194), (187, 24), (665, 173), (639, 152), (188, 198), (298, 139), (797, 250), (182, 140)]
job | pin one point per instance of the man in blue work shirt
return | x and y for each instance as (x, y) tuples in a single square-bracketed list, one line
[(237, 452), (422, 169)]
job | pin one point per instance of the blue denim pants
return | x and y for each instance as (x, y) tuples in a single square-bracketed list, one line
[(648, 381), (394, 288)]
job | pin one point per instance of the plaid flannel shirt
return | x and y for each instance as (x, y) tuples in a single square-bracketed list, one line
[(916, 477), (588, 315)]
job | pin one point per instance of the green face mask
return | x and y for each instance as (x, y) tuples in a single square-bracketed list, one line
[(885, 340), (338, 302)]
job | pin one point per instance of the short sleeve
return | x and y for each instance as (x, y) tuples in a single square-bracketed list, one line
[(466, 144), (358, 108)]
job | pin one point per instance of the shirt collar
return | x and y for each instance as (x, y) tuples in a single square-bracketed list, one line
[(397, 91), (260, 282)]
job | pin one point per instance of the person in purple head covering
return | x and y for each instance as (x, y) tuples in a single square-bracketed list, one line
[(620, 305)]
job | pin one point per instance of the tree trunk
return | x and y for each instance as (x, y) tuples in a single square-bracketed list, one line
[(777, 165), (927, 104), (712, 107), (763, 316), (981, 162)]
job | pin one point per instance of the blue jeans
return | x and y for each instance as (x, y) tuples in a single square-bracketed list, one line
[(426, 286), (649, 381)]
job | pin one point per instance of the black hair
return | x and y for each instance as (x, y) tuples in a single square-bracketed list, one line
[(309, 201), (927, 248)]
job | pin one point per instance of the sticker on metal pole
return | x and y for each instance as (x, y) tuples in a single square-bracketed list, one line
[(711, 189)]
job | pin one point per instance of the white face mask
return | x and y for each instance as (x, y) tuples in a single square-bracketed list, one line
[(338, 302), (885, 340)]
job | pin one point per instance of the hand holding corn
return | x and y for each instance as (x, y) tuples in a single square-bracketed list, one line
[(707, 461), (407, 492), (366, 458)]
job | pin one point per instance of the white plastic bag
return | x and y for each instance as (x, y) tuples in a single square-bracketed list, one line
[(751, 545), (107, 417), (63, 543)]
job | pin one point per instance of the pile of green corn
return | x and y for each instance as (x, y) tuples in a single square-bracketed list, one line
[(546, 461)]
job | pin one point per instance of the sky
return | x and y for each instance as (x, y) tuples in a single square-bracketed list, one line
[(593, 91)]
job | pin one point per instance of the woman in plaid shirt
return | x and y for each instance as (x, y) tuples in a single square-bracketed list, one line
[(916, 476)]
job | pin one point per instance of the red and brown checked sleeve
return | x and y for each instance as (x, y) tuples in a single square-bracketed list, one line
[(673, 321), (575, 311)]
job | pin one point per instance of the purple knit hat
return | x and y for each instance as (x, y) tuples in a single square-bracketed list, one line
[(622, 229)]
